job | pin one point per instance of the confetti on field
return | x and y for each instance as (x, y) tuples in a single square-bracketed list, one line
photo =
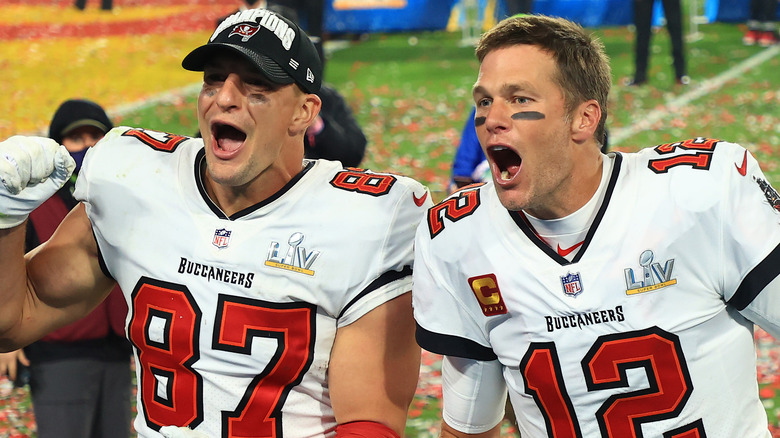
[(51, 52)]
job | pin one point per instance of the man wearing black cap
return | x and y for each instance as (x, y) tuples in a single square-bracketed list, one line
[(79, 374), (269, 295)]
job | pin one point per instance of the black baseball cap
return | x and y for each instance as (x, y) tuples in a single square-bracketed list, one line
[(75, 113), (272, 43)]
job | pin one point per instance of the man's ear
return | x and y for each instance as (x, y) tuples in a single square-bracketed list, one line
[(585, 120), (307, 111)]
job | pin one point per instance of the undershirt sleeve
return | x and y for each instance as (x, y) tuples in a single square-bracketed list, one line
[(474, 394)]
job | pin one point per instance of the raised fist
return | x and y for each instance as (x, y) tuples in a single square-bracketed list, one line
[(32, 169)]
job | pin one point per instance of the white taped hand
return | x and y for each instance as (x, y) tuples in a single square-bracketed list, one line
[(31, 170), (180, 432)]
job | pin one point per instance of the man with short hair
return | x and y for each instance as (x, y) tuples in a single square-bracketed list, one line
[(269, 295), (611, 295)]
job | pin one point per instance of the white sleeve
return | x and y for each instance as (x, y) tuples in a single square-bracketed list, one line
[(764, 310), (395, 257), (444, 323), (751, 241), (474, 394)]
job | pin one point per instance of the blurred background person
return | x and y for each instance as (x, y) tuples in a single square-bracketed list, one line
[(761, 25), (643, 16), (105, 5), (335, 133), (80, 377), (469, 165)]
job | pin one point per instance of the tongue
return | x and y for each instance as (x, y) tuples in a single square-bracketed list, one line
[(229, 144), (507, 161), (230, 139), (513, 169)]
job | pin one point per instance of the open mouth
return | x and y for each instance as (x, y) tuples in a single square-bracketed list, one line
[(506, 162), (228, 138)]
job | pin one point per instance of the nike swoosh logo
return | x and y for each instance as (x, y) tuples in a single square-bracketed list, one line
[(419, 201), (743, 168), (563, 252)]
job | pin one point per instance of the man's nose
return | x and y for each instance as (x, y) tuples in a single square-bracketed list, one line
[(228, 95)]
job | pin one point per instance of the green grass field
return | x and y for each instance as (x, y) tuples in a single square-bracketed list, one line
[(412, 91)]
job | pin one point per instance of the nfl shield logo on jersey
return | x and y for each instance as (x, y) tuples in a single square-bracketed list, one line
[(572, 286), (221, 238)]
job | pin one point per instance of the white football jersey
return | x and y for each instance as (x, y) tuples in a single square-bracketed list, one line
[(233, 318), (646, 332)]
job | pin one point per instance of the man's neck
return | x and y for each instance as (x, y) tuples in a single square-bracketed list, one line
[(232, 199)]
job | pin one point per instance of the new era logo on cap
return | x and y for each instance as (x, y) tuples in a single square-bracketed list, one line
[(274, 44)]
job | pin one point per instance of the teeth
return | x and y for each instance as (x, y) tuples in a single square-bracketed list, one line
[(505, 174)]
